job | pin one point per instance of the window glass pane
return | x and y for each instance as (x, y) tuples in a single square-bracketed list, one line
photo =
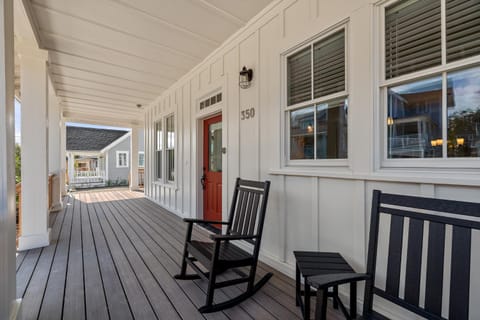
[(141, 159), (412, 36), (332, 128), (415, 119), (170, 123), (215, 147), (158, 149), (463, 101), (463, 29), (299, 77), (329, 65), (302, 133)]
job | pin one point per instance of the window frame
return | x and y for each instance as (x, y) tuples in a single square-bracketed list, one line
[(117, 158), (286, 109), (382, 85), (164, 178)]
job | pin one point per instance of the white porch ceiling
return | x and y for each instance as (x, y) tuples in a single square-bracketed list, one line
[(107, 56)]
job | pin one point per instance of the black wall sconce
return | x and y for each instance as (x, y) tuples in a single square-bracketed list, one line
[(245, 77)]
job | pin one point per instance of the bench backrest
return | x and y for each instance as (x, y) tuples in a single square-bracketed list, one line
[(460, 216), (247, 212)]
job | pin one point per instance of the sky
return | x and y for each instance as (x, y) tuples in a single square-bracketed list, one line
[(18, 124)]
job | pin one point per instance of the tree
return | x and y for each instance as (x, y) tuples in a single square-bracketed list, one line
[(18, 163)]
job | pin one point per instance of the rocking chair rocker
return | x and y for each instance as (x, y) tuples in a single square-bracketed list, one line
[(247, 214)]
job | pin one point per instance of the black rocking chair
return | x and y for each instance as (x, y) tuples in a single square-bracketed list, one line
[(247, 214)]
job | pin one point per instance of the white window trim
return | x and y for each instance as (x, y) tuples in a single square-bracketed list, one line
[(139, 153), (383, 162), (163, 181), (285, 134), (118, 159)]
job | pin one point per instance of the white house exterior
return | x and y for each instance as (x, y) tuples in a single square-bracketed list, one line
[(279, 127), (315, 204)]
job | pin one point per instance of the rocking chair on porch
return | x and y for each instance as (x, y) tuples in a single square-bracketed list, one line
[(247, 214)]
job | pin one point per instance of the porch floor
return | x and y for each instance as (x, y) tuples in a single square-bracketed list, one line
[(113, 255)]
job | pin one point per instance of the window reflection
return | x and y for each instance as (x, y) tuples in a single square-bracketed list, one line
[(415, 119), (332, 130), (463, 113), (302, 134)]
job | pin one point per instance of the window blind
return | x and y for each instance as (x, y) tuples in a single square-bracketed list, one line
[(412, 36), (463, 29), (329, 65), (299, 77)]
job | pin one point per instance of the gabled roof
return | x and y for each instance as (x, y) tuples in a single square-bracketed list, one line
[(91, 139)]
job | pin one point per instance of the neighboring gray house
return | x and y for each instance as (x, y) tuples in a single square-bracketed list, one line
[(100, 157), (117, 158)]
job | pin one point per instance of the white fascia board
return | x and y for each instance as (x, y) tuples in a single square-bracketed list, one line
[(116, 142)]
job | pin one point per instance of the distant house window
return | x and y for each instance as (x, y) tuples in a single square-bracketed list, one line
[(431, 80), (141, 159), (317, 99), (122, 159), (165, 141)]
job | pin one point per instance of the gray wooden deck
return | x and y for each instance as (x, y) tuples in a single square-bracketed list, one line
[(113, 255)]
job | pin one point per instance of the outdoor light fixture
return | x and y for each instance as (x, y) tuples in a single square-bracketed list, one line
[(389, 121), (245, 78)]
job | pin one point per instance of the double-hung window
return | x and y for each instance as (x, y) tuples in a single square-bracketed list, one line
[(317, 99), (165, 141), (430, 81), (122, 159)]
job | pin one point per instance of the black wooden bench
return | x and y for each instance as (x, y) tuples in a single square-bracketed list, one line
[(418, 213)]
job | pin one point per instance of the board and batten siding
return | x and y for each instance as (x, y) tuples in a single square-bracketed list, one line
[(310, 208)]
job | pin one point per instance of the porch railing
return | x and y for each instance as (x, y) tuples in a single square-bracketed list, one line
[(141, 176), (18, 194), (88, 178)]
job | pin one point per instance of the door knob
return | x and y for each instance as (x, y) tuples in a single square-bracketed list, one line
[(202, 181)]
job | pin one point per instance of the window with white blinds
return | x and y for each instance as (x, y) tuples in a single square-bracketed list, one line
[(328, 70), (463, 29), (413, 39), (317, 100), (329, 65), (299, 71), (432, 110)]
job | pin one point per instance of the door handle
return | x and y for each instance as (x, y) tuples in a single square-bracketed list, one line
[(202, 181)]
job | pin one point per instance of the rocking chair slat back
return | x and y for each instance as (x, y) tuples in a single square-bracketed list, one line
[(247, 212)]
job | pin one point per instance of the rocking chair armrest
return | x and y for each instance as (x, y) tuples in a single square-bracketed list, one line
[(192, 220), (220, 237)]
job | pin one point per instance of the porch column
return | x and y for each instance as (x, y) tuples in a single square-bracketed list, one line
[(54, 147), (33, 85), (8, 307), (134, 159), (63, 157)]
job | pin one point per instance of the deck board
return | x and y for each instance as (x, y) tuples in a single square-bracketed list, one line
[(113, 256)]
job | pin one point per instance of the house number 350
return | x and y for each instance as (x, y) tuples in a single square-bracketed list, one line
[(247, 114)]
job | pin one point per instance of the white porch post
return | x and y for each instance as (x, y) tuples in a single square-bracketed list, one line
[(71, 166), (63, 156), (54, 147), (134, 159), (8, 307), (33, 85)]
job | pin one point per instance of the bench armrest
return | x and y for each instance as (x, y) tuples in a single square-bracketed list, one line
[(191, 220), (219, 237)]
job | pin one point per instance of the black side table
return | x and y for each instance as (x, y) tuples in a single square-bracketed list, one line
[(312, 263)]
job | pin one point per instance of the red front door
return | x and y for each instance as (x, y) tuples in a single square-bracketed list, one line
[(212, 168)]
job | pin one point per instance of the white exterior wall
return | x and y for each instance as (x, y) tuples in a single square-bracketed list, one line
[(317, 208)]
